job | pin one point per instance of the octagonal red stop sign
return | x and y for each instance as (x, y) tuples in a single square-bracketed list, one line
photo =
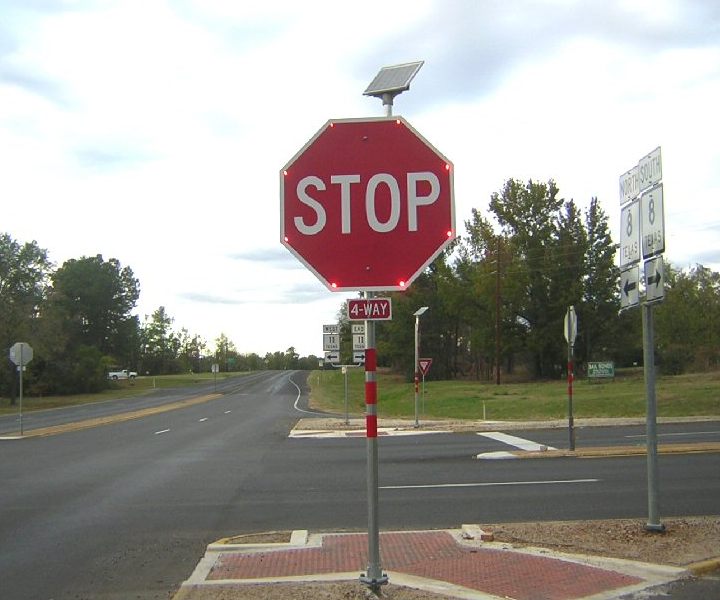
[(367, 204)]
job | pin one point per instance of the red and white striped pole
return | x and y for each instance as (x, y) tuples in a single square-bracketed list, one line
[(374, 577)]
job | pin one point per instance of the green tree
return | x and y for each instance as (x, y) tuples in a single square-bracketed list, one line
[(191, 351), (597, 314), (528, 215), (225, 352), (24, 277), (291, 360), (85, 326), (488, 266), (95, 297), (686, 322), (160, 344)]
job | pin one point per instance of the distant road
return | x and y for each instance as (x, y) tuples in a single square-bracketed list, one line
[(126, 510)]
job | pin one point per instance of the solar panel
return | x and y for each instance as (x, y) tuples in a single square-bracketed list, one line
[(393, 79)]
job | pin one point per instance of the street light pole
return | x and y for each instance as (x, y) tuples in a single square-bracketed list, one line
[(418, 313)]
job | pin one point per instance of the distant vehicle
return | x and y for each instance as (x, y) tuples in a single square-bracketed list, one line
[(124, 374)]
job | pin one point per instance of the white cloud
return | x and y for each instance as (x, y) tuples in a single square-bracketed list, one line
[(154, 131)]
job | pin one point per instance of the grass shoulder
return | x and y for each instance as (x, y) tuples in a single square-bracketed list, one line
[(677, 396)]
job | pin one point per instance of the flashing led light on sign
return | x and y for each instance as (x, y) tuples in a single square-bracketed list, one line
[(333, 285), (287, 239), (402, 284), (449, 233), (397, 121), (447, 167), (285, 173)]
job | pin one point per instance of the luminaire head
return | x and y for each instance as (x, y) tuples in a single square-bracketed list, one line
[(420, 311)]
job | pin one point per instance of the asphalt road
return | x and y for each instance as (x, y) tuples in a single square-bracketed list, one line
[(126, 510)]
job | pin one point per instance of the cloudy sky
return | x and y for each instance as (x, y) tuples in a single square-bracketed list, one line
[(153, 131)]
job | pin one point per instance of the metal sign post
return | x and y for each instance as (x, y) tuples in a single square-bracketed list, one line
[(642, 237), (371, 250), (21, 354), (424, 368), (345, 377), (21, 368), (570, 331), (417, 314), (374, 577), (653, 523)]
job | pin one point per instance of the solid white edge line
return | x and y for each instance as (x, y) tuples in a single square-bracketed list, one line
[(299, 394), (487, 484)]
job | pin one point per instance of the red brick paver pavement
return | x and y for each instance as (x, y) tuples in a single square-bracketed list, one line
[(433, 555)]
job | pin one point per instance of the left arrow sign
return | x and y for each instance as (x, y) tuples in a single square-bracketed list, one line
[(629, 295)]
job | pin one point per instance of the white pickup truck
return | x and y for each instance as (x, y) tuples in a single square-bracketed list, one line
[(124, 374)]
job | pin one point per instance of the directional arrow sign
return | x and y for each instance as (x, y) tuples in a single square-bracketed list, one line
[(629, 292), (654, 280), (332, 357)]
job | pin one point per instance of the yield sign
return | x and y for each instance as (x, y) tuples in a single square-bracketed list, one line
[(425, 365)]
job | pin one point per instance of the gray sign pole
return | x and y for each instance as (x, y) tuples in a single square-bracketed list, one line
[(571, 418), (374, 578), (390, 82), (21, 366), (653, 523), (570, 335), (20, 354), (345, 376)]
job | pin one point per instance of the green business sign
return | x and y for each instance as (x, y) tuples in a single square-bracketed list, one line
[(601, 370)]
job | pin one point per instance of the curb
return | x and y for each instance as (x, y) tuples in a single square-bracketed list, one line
[(604, 451), (704, 567)]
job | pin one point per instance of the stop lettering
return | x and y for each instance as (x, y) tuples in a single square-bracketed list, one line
[(380, 185), (367, 204)]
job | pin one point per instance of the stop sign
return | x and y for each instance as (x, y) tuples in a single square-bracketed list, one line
[(367, 204)]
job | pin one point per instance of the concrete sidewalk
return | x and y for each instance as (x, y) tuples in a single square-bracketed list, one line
[(442, 561)]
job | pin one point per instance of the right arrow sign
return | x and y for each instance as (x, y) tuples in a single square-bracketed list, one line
[(654, 280)]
